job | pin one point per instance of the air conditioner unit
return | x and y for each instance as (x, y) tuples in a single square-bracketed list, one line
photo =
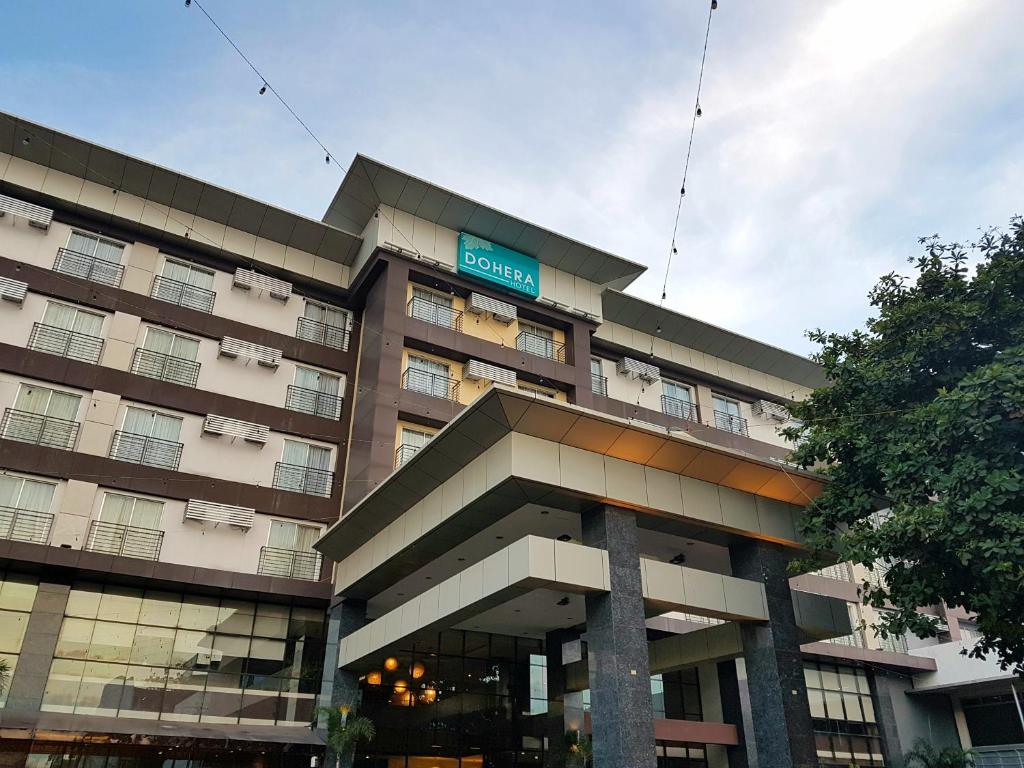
[(770, 410), (248, 279), (501, 311), (36, 215), (478, 370), (222, 425), (265, 356), (636, 369), (13, 290), (213, 512)]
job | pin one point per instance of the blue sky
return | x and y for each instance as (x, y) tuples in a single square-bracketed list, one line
[(834, 134)]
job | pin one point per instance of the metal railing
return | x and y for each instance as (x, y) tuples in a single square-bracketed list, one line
[(434, 313), (839, 572), (183, 294), (25, 525), (333, 336), (599, 384), (313, 401), (64, 343), (295, 477), (681, 409), (894, 643), (433, 384), (854, 640), (157, 365), (541, 346), (289, 563), (37, 429), (1003, 756), (88, 267), (403, 453), (731, 423), (124, 540), (141, 449)]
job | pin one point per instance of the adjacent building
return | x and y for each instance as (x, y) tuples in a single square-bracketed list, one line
[(421, 458)]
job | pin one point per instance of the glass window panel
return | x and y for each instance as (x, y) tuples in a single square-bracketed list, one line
[(152, 646), (271, 620), (79, 242), (829, 677), (62, 685), (120, 604), (112, 642), (221, 706), (851, 702), (183, 696), (816, 700), (18, 593), (12, 631), (258, 706), (848, 679), (100, 691), (160, 609), (146, 514), (84, 601), (191, 649), (306, 622), (229, 653), (109, 251), (36, 496), (185, 348), (63, 405), (834, 705), (199, 613), (59, 315), (74, 638), (869, 709), (143, 692), (235, 617)]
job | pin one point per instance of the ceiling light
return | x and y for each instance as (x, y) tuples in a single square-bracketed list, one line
[(565, 537), (678, 559), (263, 89), (564, 601)]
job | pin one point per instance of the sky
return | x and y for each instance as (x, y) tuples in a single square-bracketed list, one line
[(834, 134)]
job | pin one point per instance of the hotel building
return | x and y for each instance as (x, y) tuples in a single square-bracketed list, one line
[(420, 458)]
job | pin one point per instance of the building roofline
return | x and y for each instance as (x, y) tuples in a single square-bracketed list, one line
[(370, 183), (84, 159)]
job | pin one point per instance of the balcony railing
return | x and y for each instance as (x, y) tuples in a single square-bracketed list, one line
[(434, 313), (314, 402), (855, 639), (64, 343), (295, 477), (681, 409), (599, 384), (124, 540), (157, 365), (405, 452), (333, 336), (289, 563), (87, 267), (140, 449), (37, 429), (541, 346), (731, 423), (183, 294), (894, 643), (433, 384), (839, 572), (25, 525)]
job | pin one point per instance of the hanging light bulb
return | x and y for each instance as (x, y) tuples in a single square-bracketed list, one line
[(682, 190), (26, 140), (674, 249), (699, 110), (188, 3), (658, 329), (327, 159), (714, 5), (263, 89)]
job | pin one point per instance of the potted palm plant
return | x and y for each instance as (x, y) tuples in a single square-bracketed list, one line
[(5, 675), (579, 750), (924, 755), (345, 729)]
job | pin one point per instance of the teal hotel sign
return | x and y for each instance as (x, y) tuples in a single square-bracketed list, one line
[(493, 263)]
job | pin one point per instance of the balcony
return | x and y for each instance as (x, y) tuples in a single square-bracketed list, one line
[(541, 346), (731, 423), (855, 639), (405, 452), (599, 384), (313, 402), (25, 525), (37, 429), (681, 409), (435, 314), (87, 267), (124, 540), (837, 572), (140, 449), (289, 563), (300, 479), (433, 384), (157, 365), (183, 294), (332, 336), (64, 343)]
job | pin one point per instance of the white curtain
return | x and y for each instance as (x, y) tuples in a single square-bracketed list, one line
[(292, 536), (186, 273), (167, 343), (82, 243), (336, 318), (109, 251), (59, 316), (36, 496), (306, 455), (432, 376), (128, 510)]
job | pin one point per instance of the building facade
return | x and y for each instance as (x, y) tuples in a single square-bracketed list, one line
[(420, 458)]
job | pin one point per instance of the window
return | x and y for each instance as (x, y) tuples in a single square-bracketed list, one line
[(315, 392), (42, 416), (186, 285), (148, 437), (304, 468), (168, 356), (127, 526), (410, 443), (25, 509), (677, 400), (324, 324), (536, 340), (598, 381), (69, 332), (431, 307), (430, 377), (727, 415), (92, 258), (843, 714), (289, 551), (17, 594)]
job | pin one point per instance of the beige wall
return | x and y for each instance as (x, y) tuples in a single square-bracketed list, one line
[(134, 210), (440, 244)]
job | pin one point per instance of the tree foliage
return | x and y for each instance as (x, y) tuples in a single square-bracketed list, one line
[(924, 418), (5, 675), (345, 729), (924, 755)]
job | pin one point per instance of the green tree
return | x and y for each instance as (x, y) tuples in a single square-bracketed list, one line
[(345, 729), (579, 750), (5, 675), (924, 418), (924, 755)]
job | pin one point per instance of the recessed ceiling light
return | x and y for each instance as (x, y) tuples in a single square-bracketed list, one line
[(499, 537), (565, 537), (563, 601)]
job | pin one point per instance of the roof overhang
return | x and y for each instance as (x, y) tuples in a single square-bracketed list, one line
[(370, 183), (87, 160), (501, 411), (621, 308)]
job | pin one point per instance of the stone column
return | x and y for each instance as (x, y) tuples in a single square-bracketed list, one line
[(621, 708), (781, 719), (340, 687), (554, 756), (732, 686), (29, 680)]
